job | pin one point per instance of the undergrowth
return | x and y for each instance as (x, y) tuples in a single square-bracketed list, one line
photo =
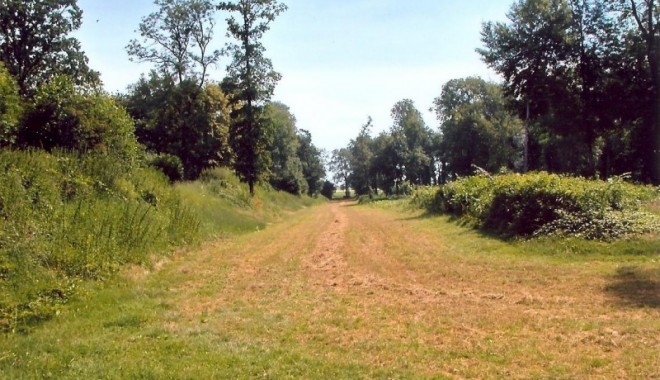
[(542, 204), (67, 218)]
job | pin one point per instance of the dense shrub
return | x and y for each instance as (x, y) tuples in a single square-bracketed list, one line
[(370, 198), (328, 189), (64, 117), (10, 107), (424, 197), (169, 164), (542, 204)]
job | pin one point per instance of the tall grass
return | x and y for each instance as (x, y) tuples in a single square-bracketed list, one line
[(224, 204), (66, 218)]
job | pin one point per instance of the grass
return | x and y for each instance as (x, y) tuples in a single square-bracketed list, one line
[(341, 291), (67, 218)]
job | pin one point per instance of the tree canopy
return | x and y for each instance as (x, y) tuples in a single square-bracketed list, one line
[(477, 128), (177, 38), (584, 76), (36, 46)]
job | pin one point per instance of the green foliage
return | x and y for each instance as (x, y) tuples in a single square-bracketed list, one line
[(360, 161), (328, 189), (286, 172), (251, 81), (387, 167), (61, 116), (393, 160), (11, 107), (177, 39), (312, 162), (477, 128), (65, 217), (183, 120), (340, 164), (545, 204), (35, 44), (424, 198), (413, 144), (400, 188), (169, 164), (223, 183), (370, 198), (585, 76)]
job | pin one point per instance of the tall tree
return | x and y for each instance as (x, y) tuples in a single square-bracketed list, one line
[(311, 159), (476, 126), (415, 137), (252, 76), (387, 168), (361, 160), (177, 39), (645, 16), (182, 119), (340, 165), (35, 44), (286, 172)]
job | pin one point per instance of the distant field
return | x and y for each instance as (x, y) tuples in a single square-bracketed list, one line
[(346, 291)]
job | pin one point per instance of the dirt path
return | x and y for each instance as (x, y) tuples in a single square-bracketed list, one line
[(370, 287)]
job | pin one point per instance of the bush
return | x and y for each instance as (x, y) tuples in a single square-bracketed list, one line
[(222, 182), (10, 107), (169, 164), (63, 117), (542, 204), (424, 197), (328, 189)]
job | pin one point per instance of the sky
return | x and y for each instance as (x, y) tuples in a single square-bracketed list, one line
[(341, 60)]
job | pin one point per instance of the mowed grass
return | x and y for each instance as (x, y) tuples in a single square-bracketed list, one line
[(345, 291)]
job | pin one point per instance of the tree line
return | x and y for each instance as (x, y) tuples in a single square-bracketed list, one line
[(176, 117), (580, 95)]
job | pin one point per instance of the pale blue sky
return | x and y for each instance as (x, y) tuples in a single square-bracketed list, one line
[(341, 60)]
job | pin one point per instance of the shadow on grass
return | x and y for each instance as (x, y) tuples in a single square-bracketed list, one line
[(461, 222), (636, 287)]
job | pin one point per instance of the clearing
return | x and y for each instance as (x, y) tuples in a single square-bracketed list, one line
[(346, 291)]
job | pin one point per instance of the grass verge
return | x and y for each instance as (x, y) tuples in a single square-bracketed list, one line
[(68, 218)]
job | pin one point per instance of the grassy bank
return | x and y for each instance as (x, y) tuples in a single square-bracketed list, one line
[(68, 218)]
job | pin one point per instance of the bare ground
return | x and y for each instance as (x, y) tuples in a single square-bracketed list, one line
[(375, 288)]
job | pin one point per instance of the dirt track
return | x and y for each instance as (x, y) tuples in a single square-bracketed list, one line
[(386, 290)]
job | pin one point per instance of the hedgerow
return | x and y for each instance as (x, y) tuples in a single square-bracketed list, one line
[(545, 204)]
